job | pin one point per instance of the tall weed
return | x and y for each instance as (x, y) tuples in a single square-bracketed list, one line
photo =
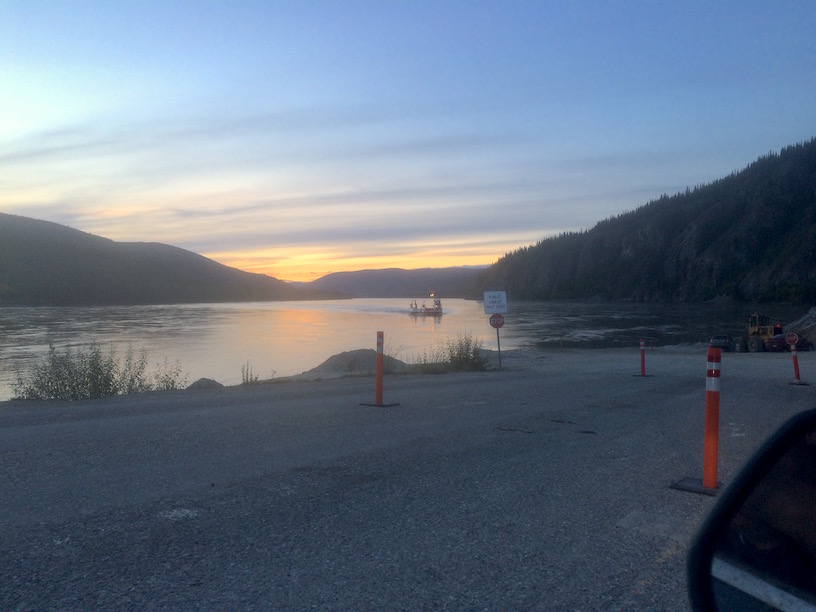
[(169, 376), (133, 376), (248, 376)]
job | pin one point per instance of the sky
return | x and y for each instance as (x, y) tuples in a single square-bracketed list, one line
[(299, 138)]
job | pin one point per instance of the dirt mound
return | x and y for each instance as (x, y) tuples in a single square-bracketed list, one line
[(361, 361), (205, 384)]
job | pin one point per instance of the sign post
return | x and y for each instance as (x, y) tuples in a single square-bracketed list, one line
[(495, 304), (497, 320)]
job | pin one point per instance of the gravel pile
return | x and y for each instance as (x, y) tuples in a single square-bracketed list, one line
[(359, 362)]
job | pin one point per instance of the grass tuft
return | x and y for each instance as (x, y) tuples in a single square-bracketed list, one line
[(248, 377), (461, 355)]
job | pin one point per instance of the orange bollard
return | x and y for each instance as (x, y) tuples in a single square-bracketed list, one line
[(378, 402), (712, 419), (379, 371), (643, 358), (795, 365)]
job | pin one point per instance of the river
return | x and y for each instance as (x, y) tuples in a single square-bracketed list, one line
[(276, 339)]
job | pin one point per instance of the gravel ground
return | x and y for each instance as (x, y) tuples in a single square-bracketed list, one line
[(544, 485)]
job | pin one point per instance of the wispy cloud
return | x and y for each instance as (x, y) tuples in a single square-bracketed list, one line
[(320, 136)]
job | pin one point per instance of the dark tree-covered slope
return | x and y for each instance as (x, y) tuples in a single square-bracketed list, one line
[(396, 282), (43, 263), (750, 236)]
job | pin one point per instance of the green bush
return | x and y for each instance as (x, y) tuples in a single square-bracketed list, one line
[(133, 373), (91, 374), (169, 376), (461, 355), (465, 354)]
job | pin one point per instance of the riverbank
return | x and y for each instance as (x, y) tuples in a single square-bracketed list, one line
[(541, 485), (284, 339)]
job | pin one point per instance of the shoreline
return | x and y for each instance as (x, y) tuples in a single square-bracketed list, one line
[(360, 363), (217, 341)]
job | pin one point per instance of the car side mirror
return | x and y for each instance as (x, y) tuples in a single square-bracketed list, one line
[(757, 548)]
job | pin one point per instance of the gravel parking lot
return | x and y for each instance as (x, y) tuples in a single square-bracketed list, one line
[(544, 485)]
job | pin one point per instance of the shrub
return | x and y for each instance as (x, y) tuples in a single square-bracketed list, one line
[(465, 354), (133, 373), (91, 374), (430, 362), (391, 359), (462, 354), (97, 373), (169, 376), (56, 376)]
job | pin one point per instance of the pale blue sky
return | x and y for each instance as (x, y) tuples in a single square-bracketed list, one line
[(300, 138)]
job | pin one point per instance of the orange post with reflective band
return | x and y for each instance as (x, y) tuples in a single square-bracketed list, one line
[(712, 418), (378, 401), (643, 358), (379, 390), (795, 364)]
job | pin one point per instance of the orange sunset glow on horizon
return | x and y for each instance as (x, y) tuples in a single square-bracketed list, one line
[(307, 266)]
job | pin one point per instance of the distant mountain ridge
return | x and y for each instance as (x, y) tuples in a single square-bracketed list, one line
[(396, 282), (44, 263), (749, 237)]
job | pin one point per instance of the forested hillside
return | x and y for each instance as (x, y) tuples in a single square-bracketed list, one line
[(395, 282), (43, 263), (750, 236)]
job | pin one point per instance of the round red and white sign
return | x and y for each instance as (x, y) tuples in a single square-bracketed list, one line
[(496, 320), (791, 339)]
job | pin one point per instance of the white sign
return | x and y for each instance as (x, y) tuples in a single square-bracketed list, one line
[(495, 302)]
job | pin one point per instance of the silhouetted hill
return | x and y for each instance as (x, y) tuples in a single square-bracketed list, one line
[(750, 237), (43, 263), (396, 282)]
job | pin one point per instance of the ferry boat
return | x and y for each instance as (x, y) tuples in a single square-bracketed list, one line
[(426, 311)]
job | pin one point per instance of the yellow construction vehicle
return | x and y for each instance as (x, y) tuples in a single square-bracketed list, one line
[(760, 330)]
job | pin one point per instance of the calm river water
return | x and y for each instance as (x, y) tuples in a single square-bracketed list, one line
[(286, 338)]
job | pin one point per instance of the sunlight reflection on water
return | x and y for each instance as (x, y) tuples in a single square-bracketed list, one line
[(216, 340), (287, 338)]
